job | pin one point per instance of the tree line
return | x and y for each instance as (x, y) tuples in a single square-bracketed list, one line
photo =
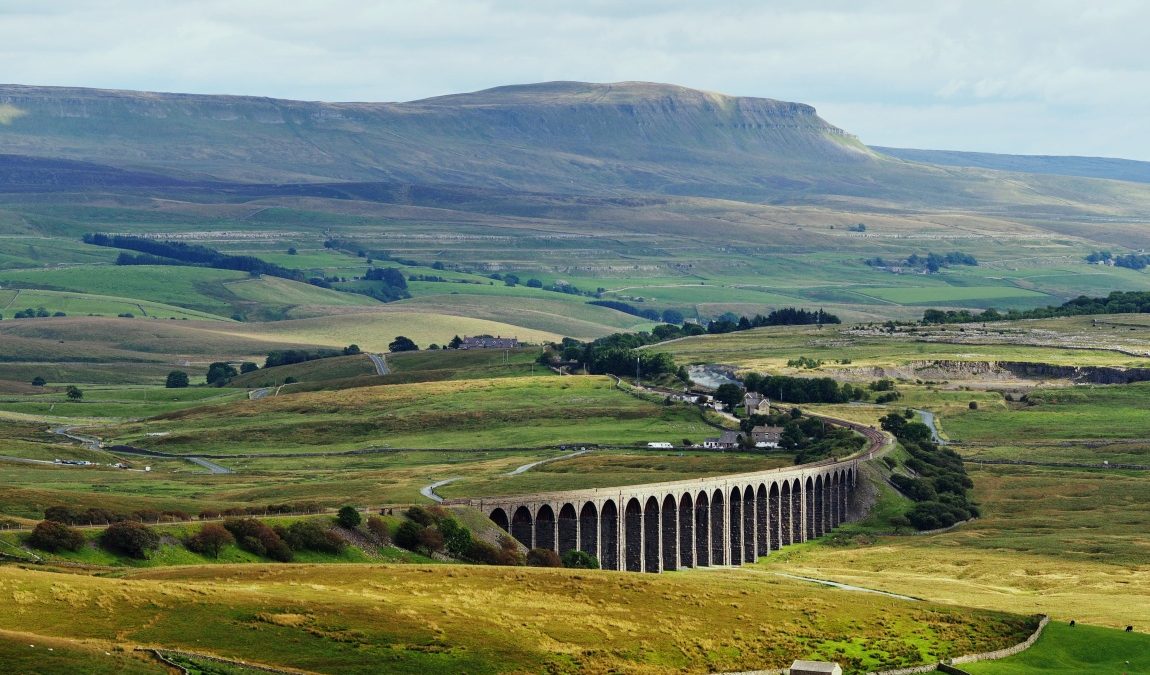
[(931, 262), (156, 252), (939, 487), (1117, 302)]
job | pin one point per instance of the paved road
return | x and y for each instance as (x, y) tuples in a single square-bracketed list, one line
[(212, 467), (89, 442), (532, 465), (380, 362), (429, 491)]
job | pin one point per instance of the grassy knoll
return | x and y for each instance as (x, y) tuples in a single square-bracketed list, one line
[(466, 364), (1080, 649), (492, 413), (420, 619)]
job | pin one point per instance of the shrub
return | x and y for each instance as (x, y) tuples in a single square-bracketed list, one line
[(483, 553), (431, 540), (177, 379), (543, 557), (256, 537), (456, 538), (378, 528), (309, 535), (52, 536), (973, 405), (580, 560), (421, 515), (130, 538), (509, 553), (349, 517), (407, 536), (210, 540)]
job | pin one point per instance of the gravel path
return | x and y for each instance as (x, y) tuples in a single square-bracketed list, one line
[(380, 362), (212, 467), (847, 587), (429, 491), (532, 465)]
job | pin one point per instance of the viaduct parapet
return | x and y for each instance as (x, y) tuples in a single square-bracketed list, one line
[(722, 520)]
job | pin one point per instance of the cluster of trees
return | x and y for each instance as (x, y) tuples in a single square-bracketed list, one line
[(617, 354), (940, 486), (158, 252), (1134, 261), (787, 316), (37, 313), (283, 357), (392, 286), (1117, 302), (98, 516), (803, 389), (931, 262)]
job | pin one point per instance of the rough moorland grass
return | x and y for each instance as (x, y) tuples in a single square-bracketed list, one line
[(333, 368), (87, 304), (409, 619), (491, 413), (1081, 649), (1068, 543)]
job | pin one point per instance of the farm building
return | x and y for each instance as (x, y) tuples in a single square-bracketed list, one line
[(766, 437), (729, 440), (488, 342), (815, 668)]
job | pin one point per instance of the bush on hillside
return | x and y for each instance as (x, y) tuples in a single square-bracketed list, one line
[(349, 517), (543, 557), (378, 528), (309, 535), (130, 538), (256, 537), (52, 536), (582, 560)]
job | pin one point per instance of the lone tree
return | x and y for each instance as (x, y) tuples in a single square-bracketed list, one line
[(39, 381), (210, 540), (402, 344), (177, 379), (349, 517), (729, 394), (455, 343), (74, 393)]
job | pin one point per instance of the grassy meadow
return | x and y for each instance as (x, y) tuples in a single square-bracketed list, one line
[(405, 619), (1078, 649)]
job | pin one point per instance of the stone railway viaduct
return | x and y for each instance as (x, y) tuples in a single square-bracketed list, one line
[(722, 520)]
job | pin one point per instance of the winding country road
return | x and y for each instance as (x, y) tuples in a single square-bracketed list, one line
[(429, 491), (532, 465), (212, 467), (380, 362)]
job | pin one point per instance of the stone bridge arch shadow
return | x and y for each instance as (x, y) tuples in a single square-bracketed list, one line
[(722, 520)]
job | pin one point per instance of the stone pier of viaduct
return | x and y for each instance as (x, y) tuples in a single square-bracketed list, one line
[(722, 520)]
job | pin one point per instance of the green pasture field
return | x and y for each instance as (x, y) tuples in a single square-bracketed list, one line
[(352, 618), (1072, 650), (84, 304), (191, 287), (117, 402), (567, 315), (949, 295), (275, 291), (467, 364), (33, 251), (1096, 412), (111, 373)]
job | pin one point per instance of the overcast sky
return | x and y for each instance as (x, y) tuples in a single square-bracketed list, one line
[(1016, 76)]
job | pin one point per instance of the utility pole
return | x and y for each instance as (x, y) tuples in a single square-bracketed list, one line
[(637, 381)]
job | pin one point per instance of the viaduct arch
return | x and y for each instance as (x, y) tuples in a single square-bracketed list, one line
[(722, 520)]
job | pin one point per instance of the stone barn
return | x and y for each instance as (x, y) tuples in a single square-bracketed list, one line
[(815, 668)]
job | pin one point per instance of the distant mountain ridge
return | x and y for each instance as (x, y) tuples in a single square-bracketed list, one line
[(1059, 165), (598, 141)]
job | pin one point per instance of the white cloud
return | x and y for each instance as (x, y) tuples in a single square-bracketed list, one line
[(1072, 73)]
